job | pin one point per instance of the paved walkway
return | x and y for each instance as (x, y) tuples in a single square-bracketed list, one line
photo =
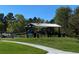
[(48, 49)]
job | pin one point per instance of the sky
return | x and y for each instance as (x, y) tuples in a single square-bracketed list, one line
[(46, 12)]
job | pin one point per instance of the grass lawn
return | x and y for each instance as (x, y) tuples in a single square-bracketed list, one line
[(13, 48), (62, 43)]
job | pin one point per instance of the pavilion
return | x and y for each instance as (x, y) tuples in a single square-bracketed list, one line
[(47, 25)]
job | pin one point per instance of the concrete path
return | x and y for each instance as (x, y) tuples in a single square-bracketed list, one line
[(48, 49)]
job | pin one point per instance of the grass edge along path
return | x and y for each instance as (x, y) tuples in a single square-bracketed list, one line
[(62, 43), (13, 48), (48, 49)]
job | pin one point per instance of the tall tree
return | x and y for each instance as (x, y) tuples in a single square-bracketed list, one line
[(10, 20), (52, 21), (30, 20), (76, 11), (21, 22), (74, 22), (40, 20), (62, 17), (2, 23), (35, 20)]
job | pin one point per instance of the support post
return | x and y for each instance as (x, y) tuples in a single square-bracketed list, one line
[(59, 33)]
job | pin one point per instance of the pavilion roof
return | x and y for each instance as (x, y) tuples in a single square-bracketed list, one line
[(45, 25)]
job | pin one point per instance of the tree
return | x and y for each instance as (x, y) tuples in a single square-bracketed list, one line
[(30, 20), (74, 22), (62, 17), (39, 20), (2, 23), (10, 21), (20, 18), (35, 20), (76, 11), (21, 22), (52, 21)]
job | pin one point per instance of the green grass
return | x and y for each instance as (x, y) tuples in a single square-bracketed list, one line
[(13, 48), (62, 43)]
